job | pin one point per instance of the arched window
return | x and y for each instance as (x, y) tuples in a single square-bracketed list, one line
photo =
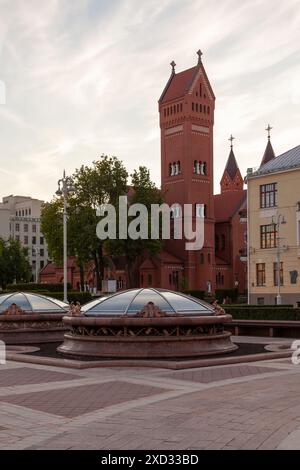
[(170, 169), (208, 110), (168, 111), (200, 108), (178, 167)]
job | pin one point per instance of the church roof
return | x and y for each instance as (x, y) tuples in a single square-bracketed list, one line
[(285, 161), (178, 85), (227, 204), (269, 154), (231, 165)]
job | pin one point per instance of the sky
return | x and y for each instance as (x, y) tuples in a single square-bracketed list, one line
[(82, 78)]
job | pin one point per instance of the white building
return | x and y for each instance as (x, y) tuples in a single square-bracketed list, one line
[(20, 218)]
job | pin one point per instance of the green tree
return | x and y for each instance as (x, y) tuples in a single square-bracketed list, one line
[(14, 265), (102, 182), (144, 192)]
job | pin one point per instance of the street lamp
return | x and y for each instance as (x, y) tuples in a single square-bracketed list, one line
[(65, 187), (277, 221)]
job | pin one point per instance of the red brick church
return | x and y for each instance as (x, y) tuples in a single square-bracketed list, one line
[(186, 109)]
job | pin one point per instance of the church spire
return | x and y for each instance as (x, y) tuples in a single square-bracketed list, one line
[(269, 152), (232, 179)]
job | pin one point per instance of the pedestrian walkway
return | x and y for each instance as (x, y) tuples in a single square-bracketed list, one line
[(242, 406)]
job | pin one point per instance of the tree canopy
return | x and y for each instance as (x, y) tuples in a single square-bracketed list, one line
[(14, 265)]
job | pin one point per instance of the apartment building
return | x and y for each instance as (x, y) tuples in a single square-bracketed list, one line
[(274, 229), (20, 218)]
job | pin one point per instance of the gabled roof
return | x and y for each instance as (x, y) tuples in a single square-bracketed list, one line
[(269, 154), (181, 83), (231, 165), (285, 161), (227, 204)]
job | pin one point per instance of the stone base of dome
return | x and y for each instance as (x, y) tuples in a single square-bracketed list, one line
[(132, 337), (32, 328)]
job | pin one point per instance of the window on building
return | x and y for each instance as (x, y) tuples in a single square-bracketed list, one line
[(260, 301), (193, 106), (16, 213), (201, 210), (34, 240), (26, 240), (42, 252), (275, 274), (268, 195), (260, 274), (42, 264), (17, 237), (208, 110), (41, 240), (29, 210), (22, 212), (25, 227), (268, 236), (223, 242), (34, 228), (200, 108), (149, 279), (217, 240), (26, 211), (17, 227), (180, 106), (165, 112)]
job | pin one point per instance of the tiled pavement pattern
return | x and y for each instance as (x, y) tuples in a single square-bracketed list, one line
[(28, 375), (244, 406), (213, 374), (76, 401)]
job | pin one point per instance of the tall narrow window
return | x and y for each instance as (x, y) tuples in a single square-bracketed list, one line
[(223, 239), (217, 247), (260, 274)]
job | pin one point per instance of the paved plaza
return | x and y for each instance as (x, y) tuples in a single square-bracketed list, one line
[(240, 406)]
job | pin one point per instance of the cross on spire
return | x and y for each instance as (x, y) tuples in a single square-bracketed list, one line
[(173, 65), (231, 138), (200, 54), (268, 129)]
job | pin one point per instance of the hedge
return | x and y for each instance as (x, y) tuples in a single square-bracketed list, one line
[(73, 296), (199, 294), (222, 294), (266, 313), (33, 286), (257, 306)]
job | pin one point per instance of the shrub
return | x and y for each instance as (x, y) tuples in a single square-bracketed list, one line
[(73, 296), (222, 294), (263, 313), (199, 294)]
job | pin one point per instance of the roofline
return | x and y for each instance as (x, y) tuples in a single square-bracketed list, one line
[(275, 172), (166, 87)]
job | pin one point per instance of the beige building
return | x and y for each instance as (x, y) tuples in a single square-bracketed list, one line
[(274, 229), (20, 218)]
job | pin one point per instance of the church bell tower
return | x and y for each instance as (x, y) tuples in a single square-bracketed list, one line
[(186, 109)]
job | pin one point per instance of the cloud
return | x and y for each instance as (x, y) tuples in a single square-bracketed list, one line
[(83, 78)]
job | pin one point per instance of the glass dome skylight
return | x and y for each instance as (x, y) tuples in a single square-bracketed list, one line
[(32, 303), (130, 302)]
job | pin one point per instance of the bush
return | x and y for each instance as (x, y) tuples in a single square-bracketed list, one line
[(73, 296), (258, 306), (199, 294), (33, 287), (222, 294), (263, 313)]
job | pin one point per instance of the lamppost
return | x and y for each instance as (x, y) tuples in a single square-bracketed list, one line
[(65, 187), (277, 221)]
